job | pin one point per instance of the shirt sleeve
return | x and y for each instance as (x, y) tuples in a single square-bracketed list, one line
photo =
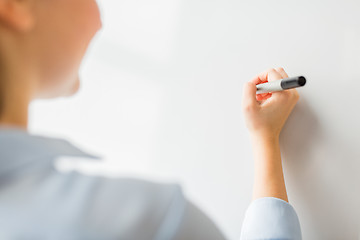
[(270, 218)]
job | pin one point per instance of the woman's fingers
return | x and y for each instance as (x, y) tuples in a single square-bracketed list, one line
[(262, 77), (282, 72), (269, 75), (273, 75), (258, 80), (263, 96), (249, 96)]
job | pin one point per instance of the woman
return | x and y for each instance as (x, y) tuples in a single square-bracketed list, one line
[(42, 43)]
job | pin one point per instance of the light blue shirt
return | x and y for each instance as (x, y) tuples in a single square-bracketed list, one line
[(38, 202), (270, 218)]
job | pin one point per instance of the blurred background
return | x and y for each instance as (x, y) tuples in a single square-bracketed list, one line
[(161, 100)]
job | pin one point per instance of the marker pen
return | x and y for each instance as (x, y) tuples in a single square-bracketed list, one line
[(280, 85)]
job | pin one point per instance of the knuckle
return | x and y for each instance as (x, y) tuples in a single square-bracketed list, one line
[(247, 107), (294, 95), (248, 84), (273, 70), (297, 96), (246, 87), (295, 92), (273, 75), (286, 95), (280, 69), (269, 70)]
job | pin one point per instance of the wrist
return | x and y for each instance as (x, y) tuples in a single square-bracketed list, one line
[(265, 137), (265, 147)]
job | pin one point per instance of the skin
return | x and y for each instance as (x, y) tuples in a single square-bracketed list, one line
[(42, 44), (265, 116)]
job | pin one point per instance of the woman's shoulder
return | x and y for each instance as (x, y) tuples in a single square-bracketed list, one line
[(106, 207), (132, 190), (126, 204)]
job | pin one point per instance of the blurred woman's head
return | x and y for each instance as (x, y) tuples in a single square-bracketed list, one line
[(43, 42)]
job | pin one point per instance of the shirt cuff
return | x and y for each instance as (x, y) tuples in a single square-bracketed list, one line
[(270, 218)]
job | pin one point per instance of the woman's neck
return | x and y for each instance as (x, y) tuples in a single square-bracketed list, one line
[(14, 111), (18, 81), (15, 98)]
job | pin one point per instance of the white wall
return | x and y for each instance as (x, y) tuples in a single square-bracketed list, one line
[(161, 100)]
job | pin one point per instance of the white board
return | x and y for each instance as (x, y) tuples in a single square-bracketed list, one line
[(161, 99)]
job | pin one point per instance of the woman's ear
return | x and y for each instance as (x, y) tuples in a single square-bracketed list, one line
[(17, 14)]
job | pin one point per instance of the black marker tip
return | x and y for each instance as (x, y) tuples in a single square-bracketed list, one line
[(302, 81)]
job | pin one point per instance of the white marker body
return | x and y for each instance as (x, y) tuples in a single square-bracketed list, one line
[(274, 86)]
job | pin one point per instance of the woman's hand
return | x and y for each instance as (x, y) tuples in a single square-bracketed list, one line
[(265, 114)]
